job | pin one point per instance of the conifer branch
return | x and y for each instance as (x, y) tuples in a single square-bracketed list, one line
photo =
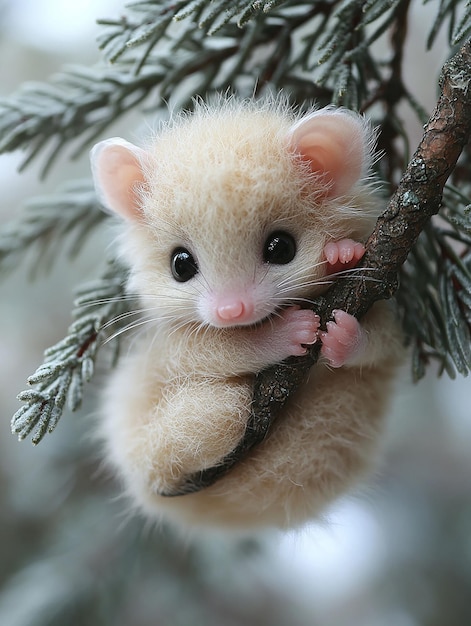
[(47, 223), (70, 363), (259, 45), (77, 102), (83, 102), (435, 291)]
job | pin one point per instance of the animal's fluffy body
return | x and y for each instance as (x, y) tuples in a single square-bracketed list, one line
[(218, 183)]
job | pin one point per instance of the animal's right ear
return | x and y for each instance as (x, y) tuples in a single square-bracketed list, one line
[(336, 144), (117, 173)]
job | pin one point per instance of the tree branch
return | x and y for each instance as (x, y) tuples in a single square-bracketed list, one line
[(416, 200)]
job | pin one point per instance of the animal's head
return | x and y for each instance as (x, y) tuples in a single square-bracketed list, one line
[(228, 210)]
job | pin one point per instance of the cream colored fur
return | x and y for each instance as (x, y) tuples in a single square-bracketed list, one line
[(218, 182)]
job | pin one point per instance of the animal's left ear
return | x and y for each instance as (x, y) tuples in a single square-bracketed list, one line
[(336, 144)]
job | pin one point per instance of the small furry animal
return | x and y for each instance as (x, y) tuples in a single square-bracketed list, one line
[(235, 217)]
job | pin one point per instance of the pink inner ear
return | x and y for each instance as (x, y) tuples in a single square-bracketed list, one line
[(117, 171), (327, 155), (333, 143)]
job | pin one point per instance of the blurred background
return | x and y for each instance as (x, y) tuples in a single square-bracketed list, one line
[(398, 553)]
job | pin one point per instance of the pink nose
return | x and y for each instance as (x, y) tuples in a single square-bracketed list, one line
[(230, 311)]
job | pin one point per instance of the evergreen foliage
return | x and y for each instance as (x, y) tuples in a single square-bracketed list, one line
[(71, 362), (162, 51)]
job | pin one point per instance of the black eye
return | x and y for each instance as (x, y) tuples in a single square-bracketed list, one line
[(183, 265), (279, 248)]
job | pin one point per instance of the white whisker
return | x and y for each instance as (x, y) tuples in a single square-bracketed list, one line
[(128, 328), (123, 316), (110, 300), (348, 272)]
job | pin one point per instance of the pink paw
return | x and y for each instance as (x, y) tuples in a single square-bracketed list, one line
[(344, 340), (298, 329), (343, 254)]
